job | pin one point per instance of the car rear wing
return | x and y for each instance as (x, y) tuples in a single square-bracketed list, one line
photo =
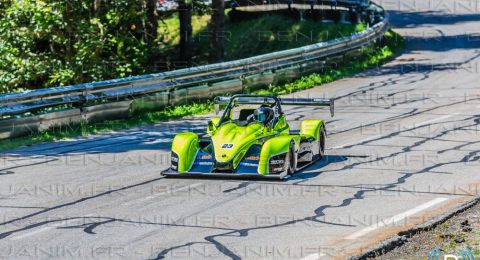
[(317, 102), (262, 99)]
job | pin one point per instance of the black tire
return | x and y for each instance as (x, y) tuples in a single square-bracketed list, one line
[(291, 160), (322, 142)]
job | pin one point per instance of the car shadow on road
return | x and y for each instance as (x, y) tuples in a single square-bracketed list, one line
[(315, 169)]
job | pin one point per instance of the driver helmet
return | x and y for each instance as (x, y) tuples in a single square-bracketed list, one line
[(263, 114)]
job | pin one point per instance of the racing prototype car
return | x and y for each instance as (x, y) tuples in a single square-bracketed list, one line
[(252, 138)]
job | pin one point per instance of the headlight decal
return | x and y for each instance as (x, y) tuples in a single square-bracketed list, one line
[(174, 161)]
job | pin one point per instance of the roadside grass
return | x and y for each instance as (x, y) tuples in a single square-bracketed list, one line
[(371, 57)]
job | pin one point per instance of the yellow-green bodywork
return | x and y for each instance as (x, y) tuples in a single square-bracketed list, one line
[(185, 145), (212, 125), (274, 146), (311, 128), (230, 139)]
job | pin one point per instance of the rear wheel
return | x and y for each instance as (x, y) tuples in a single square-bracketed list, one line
[(291, 159), (321, 146)]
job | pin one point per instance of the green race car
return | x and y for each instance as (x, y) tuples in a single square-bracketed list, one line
[(251, 139)]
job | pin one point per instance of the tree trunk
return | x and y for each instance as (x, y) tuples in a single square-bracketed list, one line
[(217, 27), (185, 19), (96, 6), (151, 23)]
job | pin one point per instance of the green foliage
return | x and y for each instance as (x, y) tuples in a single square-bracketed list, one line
[(360, 27), (58, 42), (170, 26)]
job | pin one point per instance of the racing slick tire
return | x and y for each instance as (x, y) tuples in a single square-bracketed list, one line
[(291, 160), (321, 145)]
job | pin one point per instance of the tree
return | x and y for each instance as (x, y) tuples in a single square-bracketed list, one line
[(217, 26), (151, 21), (59, 42), (185, 19)]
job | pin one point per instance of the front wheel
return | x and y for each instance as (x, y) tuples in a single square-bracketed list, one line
[(291, 159)]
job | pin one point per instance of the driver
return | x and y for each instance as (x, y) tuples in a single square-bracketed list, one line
[(263, 115)]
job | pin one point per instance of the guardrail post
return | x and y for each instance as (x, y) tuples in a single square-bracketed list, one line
[(345, 17), (82, 103), (244, 84)]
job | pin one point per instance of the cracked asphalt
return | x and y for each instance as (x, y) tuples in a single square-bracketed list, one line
[(403, 148)]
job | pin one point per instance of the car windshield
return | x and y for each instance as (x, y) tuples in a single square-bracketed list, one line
[(241, 109), (245, 114), (242, 112)]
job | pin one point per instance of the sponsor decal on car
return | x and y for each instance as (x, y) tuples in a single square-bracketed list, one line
[(249, 164), (205, 163), (277, 161)]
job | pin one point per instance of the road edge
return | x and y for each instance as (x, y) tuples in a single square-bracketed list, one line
[(401, 237)]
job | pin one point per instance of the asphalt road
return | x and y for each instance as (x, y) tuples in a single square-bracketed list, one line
[(403, 147)]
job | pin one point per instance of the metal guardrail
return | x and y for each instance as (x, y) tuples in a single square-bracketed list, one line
[(345, 3), (167, 88)]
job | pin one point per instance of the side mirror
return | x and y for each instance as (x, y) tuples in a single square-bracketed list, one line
[(212, 124), (210, 127)]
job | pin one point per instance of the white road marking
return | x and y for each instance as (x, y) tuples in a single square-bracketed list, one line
[(407, 128), (315, 256), (163, 193), (31, 233), (40, 230), (396, 218)]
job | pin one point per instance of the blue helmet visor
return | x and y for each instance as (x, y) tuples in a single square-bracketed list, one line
[(261, 117)]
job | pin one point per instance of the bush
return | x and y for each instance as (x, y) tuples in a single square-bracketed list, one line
[(59, 42)]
